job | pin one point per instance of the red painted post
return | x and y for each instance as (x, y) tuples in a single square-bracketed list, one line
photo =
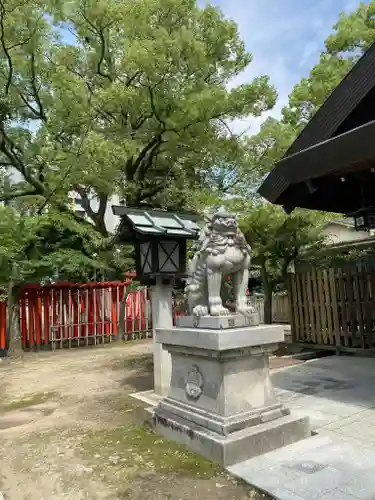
[(84, 327), (75, 307), (54, 299), (46, 314), (90, 314), (38, 318), (114, 308), (23, 321), (30, 307), (3, 320)]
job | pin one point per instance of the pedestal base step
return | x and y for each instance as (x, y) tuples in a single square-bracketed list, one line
[(149, 397), (217, 322), (238, 446)]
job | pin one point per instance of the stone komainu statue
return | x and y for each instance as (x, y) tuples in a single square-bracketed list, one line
[(222, 251)]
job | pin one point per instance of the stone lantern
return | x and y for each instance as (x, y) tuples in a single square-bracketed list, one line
[(159, 238)]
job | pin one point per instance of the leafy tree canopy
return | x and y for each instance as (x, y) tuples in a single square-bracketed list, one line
[(119, 96), (33, 248), (277, 240)]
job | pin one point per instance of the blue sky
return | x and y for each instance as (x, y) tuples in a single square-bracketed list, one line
[(285, 38)]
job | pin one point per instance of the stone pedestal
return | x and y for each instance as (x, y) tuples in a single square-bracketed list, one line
[(217, 322), (221, 402)]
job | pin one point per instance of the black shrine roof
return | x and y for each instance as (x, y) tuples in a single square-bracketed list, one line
[(330, 166)]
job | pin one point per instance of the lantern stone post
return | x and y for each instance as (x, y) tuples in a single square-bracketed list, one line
[(159, 238), (162, 317)]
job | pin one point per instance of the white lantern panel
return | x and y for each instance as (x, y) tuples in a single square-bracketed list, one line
[(169, 257), (146, 262)]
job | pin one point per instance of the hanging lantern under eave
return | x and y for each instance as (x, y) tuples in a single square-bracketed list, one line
[(364, 219)]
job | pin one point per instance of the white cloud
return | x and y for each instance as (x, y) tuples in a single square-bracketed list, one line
[(285, 38)]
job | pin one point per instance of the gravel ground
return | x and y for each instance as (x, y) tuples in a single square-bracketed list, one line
[(70, 431)]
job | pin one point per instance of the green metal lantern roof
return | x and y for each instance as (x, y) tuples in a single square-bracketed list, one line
[(155, 223)]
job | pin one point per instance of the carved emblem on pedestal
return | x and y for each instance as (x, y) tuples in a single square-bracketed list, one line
[(194, 383)]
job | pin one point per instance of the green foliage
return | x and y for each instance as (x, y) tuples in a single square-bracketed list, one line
[(338, 257), (135, 101), (264, 149), (352, 35), (35, 248), (278, 239)]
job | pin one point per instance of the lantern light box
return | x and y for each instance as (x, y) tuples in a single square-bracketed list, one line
[(159, 238), (364, 219)]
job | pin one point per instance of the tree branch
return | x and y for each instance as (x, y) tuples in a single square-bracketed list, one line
[(144, 160), (8, 148), (42, 115), (5, 49), (100, 34), (97, 217), (18, 194)]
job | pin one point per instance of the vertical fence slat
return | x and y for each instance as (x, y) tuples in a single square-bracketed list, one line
[(344, 318), (359, 308), (61, 319), (30, 310), (38, 319), (372, 301), (301, 333), (114, 308), (305, 304), (322, 307), (75, 313), (311, 308), (3, 320), (315, 305), (293, 305), (368, 313), (336, 337), (351, 307), (328, 307), (23, 321), (46, 316)]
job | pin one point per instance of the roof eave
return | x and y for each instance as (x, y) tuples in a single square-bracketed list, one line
[(327, 157)]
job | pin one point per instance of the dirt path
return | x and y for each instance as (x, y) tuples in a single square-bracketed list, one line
[(69, 430)]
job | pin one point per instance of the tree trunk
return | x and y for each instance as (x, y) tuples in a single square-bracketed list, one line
[(267, 289), (13, 322)]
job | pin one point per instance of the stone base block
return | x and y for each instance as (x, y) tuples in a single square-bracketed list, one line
[(217, 322), (150, 397), (223, 425), (237, 446)]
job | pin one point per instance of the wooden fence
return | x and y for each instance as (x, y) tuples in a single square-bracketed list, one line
[(280, 308), (70, 315), (334, 308), (66, 314)]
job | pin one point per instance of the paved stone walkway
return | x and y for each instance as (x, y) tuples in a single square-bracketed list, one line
[(338, 463)]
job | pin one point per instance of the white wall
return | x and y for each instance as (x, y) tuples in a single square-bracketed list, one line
[(338, 233), (111, 221)]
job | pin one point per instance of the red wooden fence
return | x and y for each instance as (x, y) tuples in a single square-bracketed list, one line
[(66, 314)]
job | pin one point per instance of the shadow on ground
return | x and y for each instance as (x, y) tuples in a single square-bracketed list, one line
[(139, 372), (341, 379)]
